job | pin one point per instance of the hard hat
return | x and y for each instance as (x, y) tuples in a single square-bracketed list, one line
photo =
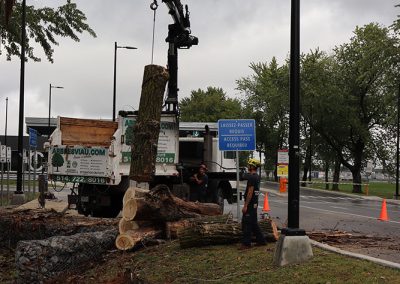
[(254, 162)]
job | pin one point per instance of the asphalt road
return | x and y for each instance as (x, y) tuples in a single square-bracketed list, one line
[(321, 210)]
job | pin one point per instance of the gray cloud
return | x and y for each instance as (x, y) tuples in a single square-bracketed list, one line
[(232, 34)]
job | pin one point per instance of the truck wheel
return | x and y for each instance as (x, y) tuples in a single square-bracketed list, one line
[(220, 199)]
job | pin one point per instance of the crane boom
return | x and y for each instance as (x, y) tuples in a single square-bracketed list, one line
[(179, 37)]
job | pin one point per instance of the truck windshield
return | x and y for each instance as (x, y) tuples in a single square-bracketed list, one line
[(191, 152), (230, 155)]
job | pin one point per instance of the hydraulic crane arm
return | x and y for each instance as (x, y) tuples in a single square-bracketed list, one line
[(176, 11), (179, 37)]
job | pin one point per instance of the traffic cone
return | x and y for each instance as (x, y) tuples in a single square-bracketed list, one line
[(384, 216), (266, 205)]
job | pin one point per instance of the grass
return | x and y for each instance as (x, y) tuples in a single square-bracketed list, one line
[(380, 189), (225, 264)]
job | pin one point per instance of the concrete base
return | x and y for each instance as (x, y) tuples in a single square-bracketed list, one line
[(292, 249), (17, 199)]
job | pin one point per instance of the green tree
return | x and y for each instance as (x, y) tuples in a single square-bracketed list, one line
[(209, 106), (266, 99), (43, 25), (351, 92), (57, 160)]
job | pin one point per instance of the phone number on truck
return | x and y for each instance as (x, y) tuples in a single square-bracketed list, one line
[(79, 179)]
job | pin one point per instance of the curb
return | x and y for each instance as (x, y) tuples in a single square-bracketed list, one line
[(356, 255)]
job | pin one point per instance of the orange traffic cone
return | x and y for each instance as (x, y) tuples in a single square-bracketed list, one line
[(266, 205), (384, 216)]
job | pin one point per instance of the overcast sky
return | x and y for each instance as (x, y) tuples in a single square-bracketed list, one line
[(232, 34)]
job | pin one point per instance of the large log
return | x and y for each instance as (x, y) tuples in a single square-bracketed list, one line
[(147, 127), (29, 224), (172, 229), (162, 206), (124, 226), (202, 234), (140, 236), (40, 260)]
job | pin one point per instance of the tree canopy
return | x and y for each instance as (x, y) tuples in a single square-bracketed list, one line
[(209, 106), (43, 25), (350, 91), (266, 99)]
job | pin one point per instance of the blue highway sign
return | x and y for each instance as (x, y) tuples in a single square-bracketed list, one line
[(237, 134)]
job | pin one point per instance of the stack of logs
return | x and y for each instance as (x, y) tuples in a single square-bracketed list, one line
[(148, 215)]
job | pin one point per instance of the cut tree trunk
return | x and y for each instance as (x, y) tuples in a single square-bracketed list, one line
[(40, 224), (172, 229), (200, 234), (147, 127), (40, 260), (125, 226), (161, 205), (130, 239)]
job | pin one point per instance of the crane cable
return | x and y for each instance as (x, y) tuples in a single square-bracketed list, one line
[(153, 6)]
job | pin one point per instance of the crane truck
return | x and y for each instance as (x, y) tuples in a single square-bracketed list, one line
[(94, 155)]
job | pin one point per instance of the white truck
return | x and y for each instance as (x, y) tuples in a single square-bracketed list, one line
[(95, 156)]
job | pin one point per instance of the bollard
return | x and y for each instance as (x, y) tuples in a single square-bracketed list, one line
[(282, 184), (366, 189)]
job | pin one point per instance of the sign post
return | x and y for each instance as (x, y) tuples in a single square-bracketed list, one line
[(237, 135), (32, 144)]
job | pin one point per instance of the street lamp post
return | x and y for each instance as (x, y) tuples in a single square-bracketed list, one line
[(293, 244), (21, 102), (5, 128), (51, 87), (115, 75)]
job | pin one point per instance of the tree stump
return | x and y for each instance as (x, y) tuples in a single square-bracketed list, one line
[(147, 127)]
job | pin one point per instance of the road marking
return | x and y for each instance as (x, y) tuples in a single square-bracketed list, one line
[(340, 208), (331, 197), (350, 214)]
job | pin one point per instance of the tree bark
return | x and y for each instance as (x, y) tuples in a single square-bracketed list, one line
[(326, 175), (336, 175), (18, 225), (147, 127), (172, 229), (201, 234), (40, 260), (357, 181)]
